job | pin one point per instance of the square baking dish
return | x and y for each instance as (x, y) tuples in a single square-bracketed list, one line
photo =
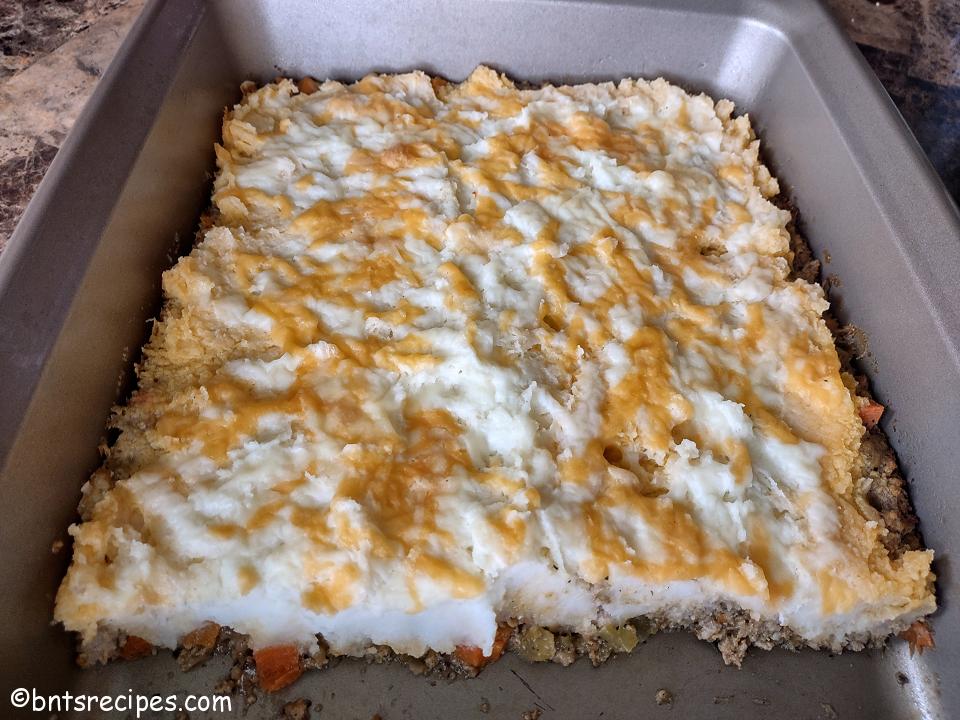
[(80, 279)]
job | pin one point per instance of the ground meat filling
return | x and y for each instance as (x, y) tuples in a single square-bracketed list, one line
[(887, 493)]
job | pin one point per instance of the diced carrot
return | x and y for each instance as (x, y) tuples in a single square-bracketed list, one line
[(473, 656), (919, 636), (135, 647), (470, 655), (308, 85), (204, 637), (500, 642), (870, 414), (277, 666)]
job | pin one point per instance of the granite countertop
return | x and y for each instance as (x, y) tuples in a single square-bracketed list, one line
[(54, 52)]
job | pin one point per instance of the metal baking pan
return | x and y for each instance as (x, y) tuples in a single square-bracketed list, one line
[(81, 276)]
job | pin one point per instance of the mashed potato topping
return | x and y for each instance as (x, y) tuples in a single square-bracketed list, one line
[(457, 353)]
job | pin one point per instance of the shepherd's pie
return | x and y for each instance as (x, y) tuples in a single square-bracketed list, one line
[(448, 356)]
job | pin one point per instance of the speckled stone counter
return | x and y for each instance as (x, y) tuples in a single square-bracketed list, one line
[(54, 52), (53, 55)]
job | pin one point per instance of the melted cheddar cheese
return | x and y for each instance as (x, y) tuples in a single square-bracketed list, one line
[(454, 352)]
